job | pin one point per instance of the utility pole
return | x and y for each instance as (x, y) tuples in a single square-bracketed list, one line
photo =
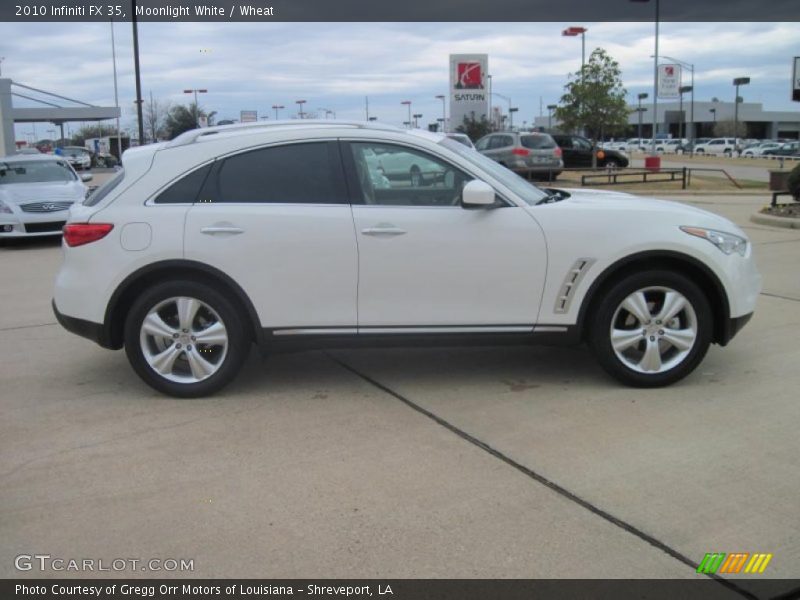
[(137, 72)]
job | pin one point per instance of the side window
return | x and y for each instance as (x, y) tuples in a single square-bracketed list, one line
[(391, 175), (715, 143), (582, 144), (304, 173), (186, 189), (564, 142), (483, 143)]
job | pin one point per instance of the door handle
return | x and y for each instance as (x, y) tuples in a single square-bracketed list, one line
[(383, 231), (221, 229)]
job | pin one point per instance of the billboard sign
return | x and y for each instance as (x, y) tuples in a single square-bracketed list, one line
[(796, 79), (469, 96), (248, 116), (669, 81)]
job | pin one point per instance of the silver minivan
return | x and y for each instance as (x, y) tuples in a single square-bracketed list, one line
[(528, 154)]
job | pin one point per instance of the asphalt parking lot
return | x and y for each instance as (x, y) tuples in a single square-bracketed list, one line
[(488, 462)]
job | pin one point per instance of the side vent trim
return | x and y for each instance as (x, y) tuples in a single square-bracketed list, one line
[(571, 281)]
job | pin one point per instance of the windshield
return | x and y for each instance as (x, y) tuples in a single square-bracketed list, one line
[(36, 171), (526, 191)]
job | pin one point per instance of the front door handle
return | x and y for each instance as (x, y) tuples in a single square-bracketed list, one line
[(221, 229), (383, 230)]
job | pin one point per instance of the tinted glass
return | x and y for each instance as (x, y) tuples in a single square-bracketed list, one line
[(582, 144), (391, 175), (289, 174), (186, 189), (105, 189), (35, 171), (483, 143), (537, 142)]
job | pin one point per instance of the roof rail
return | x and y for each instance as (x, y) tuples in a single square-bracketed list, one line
[(189, 137)]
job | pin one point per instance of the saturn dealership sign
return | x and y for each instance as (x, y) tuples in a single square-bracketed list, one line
[(469, 96)]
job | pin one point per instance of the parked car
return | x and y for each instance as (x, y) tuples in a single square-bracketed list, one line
[(35, 194), (463, 138), (28, 150), (717, 147), (77, 156), (636, 145), (619, 145), (787, 149), (670, 146), (527, 154), (759, 148), (577, 152), (689, 146), (274, 235)]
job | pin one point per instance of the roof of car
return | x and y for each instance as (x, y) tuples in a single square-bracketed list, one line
[(29, 157)]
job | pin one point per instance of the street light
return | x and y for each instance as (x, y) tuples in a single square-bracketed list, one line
[(691, 107), (328, 111), (444, 111), (276, 108), (682, 124), (408, 104), (737, 82), (511, 112), (300, 106), (640, 110), (550, 109), (655, 76), (713, 112), (417, 117), (196, 106)]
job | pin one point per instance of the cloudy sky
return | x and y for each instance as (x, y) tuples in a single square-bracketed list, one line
[(253, 66)]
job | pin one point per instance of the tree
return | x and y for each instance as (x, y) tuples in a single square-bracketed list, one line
[(181, 118), (155, 116), (595, 99), (728, 128), (475, 129)]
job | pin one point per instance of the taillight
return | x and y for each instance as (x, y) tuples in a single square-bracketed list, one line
[(558, 152), (78, 234), (520, 152)]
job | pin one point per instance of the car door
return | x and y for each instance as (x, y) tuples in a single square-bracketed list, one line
[(277, 220), (583, 151), (426, 262)]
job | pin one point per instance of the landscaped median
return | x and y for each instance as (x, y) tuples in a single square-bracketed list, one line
[(785, 214)]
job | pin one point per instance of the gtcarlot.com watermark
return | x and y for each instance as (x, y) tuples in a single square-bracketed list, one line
[(48, 563)]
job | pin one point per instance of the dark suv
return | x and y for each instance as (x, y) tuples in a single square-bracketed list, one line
[(577, 152)]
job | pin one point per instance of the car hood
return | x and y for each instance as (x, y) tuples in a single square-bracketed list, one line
[(678, 212), (21, 193)]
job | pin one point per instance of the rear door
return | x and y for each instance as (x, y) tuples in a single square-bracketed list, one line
[(277, 220)]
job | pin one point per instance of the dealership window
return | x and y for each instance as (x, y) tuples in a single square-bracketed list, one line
[(305, 173), (392, 175)]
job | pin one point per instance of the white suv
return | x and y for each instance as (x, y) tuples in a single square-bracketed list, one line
[(276, 234), (717, 146)]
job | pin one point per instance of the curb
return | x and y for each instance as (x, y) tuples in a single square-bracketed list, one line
[(784, 222)]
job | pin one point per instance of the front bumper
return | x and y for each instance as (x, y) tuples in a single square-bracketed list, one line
[(21, 224)]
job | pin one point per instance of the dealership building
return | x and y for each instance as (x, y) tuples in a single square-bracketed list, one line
[(674, 116)]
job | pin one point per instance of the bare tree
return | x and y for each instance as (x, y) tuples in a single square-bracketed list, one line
[(726, 129), (155, 117)]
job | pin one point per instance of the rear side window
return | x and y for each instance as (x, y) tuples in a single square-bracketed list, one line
[(186, 189), (306, 173), (104, 190), (537, 142)]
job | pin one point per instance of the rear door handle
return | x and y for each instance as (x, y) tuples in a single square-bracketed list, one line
[(221, 229), (383, 230)]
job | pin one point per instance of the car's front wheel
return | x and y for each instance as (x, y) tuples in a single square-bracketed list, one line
[(652, 329), (185, 339)]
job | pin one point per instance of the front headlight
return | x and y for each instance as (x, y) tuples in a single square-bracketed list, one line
[(5, 208), (728, 243)]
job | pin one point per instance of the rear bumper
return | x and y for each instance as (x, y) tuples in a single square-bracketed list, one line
[(91, 331)]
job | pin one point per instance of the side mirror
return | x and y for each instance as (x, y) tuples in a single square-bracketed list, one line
[(477, 194), (85, 177)]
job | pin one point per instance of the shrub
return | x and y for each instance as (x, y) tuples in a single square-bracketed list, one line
[(793, 182)]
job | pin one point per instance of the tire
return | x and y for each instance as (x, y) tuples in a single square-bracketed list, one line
[(416, 177), (644, 356), (189, 368), (612, 163)]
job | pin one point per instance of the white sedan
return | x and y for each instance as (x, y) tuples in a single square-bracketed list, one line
[(36, 193)]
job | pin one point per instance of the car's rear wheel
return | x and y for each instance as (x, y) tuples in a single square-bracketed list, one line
[(652, 329), (185, 339)]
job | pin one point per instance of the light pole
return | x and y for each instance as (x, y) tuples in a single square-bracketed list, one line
[(300, 105), (506, 98), (417, 117), (444, 111), (328, 111), (682, 125), (736, 83), (713, 112), (511, 112), (196, 106), (640, 110), (408, 104), (691, 85), (550, 109), (578, 31), (489, 77), (276, 108), (655, 77)]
